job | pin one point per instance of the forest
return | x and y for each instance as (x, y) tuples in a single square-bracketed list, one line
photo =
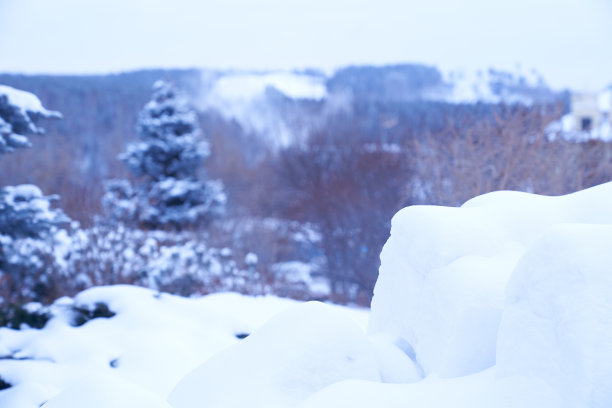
[(305, 219)]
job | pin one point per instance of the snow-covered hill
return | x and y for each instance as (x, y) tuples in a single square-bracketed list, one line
[(263, 102)]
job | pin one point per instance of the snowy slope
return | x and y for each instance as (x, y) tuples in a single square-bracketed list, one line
[(248, 98), (257, 100)]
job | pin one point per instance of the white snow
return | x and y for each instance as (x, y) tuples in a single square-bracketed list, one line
[(102, 392), (489, 86), (503, 302), (604, 101), (152, 342), (537, 265), (481, 390), (294, 355), (246, 87), (26, 101), (444, 271), (243, 97), (557, 321)]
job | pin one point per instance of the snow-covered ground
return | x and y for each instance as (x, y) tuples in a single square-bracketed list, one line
[(503, 302), (144, 350)]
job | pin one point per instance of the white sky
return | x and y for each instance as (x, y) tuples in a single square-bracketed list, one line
[(568, 41)]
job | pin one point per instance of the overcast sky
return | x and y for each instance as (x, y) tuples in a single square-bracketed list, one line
[(568, 41)]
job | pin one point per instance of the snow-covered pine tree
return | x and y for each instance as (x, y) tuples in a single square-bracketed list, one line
[(172, 191), (27, 220), (18, 112)]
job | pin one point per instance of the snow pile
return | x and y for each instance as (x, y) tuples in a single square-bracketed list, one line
[(557, 322), (294, 355), (480, 390), (105, 393), (150, 343), (535, 264)]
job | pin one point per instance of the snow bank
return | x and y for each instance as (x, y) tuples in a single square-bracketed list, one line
[(150, 343), (444, 271), (105, 393), (557, 322), (480, 390), (294, 355)]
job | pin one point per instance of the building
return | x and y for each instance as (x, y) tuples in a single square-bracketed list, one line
[(590, 115)]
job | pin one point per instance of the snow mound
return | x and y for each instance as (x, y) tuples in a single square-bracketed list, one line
[(444, 272), (141, 338), (295, 354), (104, 394), (557, 322), (480, 390)]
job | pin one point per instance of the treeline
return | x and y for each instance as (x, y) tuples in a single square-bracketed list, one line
[(319, 208)]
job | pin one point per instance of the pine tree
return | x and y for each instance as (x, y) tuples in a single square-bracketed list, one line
[(18, 112), (27, 220), (172, 191)]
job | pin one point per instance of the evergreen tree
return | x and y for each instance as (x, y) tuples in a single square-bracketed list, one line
[(18, 112), (27, 220), (172, 191)]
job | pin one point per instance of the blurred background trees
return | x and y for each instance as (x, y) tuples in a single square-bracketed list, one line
[(305, 219)]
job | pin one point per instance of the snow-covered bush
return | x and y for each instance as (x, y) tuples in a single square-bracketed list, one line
[(172, 191), (30, 243), (179, 263), (288, 257)]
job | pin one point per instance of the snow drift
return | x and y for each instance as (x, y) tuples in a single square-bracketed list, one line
[(512, 279), (295, 354)]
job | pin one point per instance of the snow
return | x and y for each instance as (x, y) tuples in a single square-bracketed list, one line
[(295, 354), (245, 97), (104, 393), (505, 301), (250, 86), (557, 321), (604, 101), (25, 101), (490, 86), (152, 342), (474, 391), (444, 271), (509, 280)]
